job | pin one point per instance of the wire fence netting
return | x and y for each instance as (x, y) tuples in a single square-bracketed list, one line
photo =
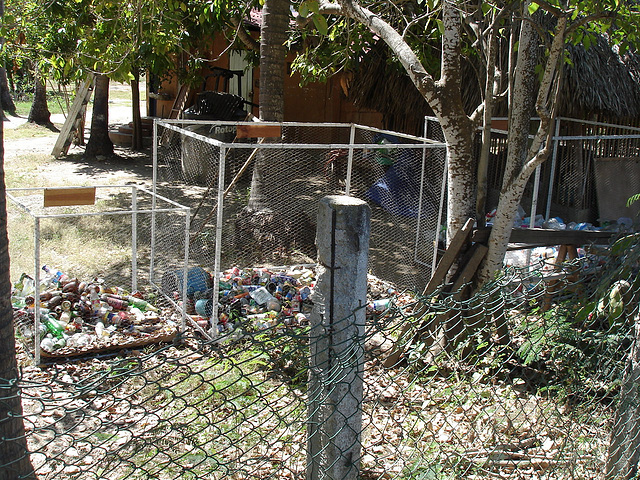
[(528, 378), (255, 200), (531, 377)]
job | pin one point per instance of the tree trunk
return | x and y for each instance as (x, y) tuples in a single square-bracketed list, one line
[(99, 143), (14, 456), (273, 35), (39, 112), (461, 181), (270, 224), (491, 88), (6, 101), (5, 94), (524, 156), (136, 139)]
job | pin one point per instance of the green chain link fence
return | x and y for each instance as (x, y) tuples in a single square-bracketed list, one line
[(522, 380)]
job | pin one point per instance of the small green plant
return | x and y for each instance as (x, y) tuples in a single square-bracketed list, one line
[(581, 359)]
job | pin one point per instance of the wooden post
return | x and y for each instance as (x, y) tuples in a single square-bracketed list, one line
[(336, 339)]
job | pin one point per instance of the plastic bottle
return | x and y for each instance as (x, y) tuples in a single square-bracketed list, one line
[(379, 305), (141, 304), (100, 331), (54, 276), (53, 325), (555, 223), (65, 316), (94, 299), (47, 344)]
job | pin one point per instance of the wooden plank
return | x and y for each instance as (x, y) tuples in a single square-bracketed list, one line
[(63, 197), (543, 236), (469, 270), (258, 131), (458, 241), (179, 102), (453, 250), (83, 95), (478, 252), (176, 110)]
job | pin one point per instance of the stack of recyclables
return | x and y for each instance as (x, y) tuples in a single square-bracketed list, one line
[(260, 297), (264, 296), (78, 317)]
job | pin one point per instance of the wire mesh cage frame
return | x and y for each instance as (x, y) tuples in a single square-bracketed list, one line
[(171, 207), (422, 144)]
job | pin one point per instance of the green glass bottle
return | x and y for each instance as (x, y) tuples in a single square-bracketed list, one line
[(141, 304), (53, 326)]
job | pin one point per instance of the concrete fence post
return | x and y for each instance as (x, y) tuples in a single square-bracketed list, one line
[(336, 338)]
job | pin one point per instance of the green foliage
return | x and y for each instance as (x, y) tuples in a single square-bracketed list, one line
[(613, 297), (551, 332), (283, 357), (582, 359), (67, 39)]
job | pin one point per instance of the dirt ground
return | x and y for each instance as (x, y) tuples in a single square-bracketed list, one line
[(127, 167)]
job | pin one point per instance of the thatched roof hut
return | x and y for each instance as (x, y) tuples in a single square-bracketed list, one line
[(598, 83)]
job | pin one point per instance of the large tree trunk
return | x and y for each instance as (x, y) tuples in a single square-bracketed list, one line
[(273, 35), (5, 94), (99, 143), (524, 156), (39, 112), (136, 139), (271, 224), (275, 22), (456, 125), (14, 455)]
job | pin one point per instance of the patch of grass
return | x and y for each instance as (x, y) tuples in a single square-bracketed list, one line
[(28, 130), (121, 97), (23, 107), (21, 172)]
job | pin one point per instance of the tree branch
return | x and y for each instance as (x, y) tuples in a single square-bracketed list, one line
[(244, 37), (423, 81), (550, 82), (330, 8)]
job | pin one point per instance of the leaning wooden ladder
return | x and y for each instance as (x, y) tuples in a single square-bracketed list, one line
[(179, 102), (74, 118), (178, 106)]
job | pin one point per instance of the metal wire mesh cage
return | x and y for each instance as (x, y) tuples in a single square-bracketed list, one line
[(137, 239), (254, 189)]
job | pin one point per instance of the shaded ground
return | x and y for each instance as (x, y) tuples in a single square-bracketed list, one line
[(127, 167)]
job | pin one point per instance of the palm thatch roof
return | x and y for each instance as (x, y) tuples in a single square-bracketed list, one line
[(597, 83), (600, 82)]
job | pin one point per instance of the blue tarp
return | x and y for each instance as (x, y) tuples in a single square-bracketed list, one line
[(398, 190)]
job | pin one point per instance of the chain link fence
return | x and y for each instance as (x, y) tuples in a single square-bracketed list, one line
[(537, 403), (530, 378)]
